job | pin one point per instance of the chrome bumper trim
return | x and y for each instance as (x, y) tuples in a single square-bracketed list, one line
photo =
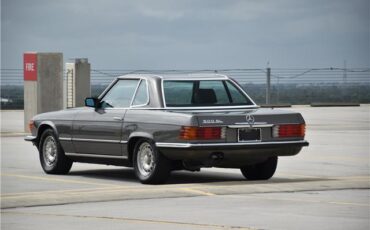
[(190, 145), (30, 138)]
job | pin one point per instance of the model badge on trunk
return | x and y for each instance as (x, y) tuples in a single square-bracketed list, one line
[(212, 121)]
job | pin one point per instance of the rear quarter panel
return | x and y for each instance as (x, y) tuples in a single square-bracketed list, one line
[(161, 126)]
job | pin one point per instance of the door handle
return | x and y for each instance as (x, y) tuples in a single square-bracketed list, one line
[(118, 118)]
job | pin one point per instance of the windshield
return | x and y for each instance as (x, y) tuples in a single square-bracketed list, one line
[(184, 93)]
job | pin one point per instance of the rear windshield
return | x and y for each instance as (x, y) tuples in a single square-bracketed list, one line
[(203, 93)]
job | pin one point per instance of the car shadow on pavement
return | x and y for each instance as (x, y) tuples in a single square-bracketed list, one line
[(123, 174), (176, 177), (184, 177)]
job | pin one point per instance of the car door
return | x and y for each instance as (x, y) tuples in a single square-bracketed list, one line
[(99, 131)]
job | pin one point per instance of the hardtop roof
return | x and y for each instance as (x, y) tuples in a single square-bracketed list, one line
[(195, 76)]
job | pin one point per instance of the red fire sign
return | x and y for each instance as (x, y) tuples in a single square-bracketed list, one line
[(30, 66)]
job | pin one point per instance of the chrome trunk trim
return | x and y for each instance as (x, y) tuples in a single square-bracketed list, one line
[(246, 125)]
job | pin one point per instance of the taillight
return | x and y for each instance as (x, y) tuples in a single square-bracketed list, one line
[(31, 125), (202, 133), (289, 130)]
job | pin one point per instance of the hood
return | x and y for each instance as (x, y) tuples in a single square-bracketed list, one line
[(58, 115)]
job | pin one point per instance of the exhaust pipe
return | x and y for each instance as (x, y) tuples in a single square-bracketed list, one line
[(217, 156)]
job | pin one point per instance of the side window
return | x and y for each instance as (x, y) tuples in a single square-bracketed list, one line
[(141, 97), (236, 95), (120, 95)]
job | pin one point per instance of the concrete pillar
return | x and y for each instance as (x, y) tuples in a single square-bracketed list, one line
[(77, 85), (43, 84)]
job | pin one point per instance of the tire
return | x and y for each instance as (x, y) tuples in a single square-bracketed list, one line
[(261, 171), (52, 157), (150, 166)]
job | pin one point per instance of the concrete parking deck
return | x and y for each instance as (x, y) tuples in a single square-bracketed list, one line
[(326, 186)]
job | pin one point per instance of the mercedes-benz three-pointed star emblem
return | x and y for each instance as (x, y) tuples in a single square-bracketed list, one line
[(250, 120)]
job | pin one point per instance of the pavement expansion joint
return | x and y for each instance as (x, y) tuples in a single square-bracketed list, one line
[(133, 220)]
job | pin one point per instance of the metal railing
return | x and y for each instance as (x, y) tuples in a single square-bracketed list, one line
[(266, 85), (243, 76)]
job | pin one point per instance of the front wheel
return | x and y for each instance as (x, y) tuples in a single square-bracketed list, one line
[(261, 171), (151, 167), (52, 157)]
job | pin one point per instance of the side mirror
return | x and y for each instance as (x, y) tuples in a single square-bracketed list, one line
[(92, 102)]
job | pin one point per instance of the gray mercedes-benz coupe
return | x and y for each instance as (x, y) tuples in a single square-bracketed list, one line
[(157, 124)]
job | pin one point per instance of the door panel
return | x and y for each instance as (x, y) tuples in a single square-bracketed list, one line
[(98, 131)]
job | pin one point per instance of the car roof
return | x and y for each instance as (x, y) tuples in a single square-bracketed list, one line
[(193, 76)]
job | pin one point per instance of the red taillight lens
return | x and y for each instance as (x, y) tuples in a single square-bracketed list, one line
[(201, 133), (289, 130), (31, 125)]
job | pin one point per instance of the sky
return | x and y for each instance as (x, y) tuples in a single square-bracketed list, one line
[(189, 34)]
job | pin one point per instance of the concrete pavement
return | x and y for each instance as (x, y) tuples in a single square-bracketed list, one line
[(344, 209), (326, 186)]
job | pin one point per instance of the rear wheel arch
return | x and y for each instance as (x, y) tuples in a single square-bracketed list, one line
[(133, 139)]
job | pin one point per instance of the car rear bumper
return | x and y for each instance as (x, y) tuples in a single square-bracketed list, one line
[(232, 153)]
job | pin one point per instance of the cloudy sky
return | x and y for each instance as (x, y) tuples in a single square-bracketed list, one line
[(189, 34)]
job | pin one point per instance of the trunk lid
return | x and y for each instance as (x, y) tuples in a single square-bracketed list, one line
[(232, 117)]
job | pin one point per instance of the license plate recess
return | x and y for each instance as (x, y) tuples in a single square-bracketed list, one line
[(249, 134)]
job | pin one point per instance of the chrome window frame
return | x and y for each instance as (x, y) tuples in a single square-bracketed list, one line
[(220, 78), (136, 91), (110, 86)]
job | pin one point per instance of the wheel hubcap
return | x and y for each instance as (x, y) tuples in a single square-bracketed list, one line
[(49, 151), (145, 159)]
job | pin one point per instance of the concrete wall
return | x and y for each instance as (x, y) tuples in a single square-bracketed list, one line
[(50, 82), (30, 102), (44, 94), (82, 81), (77, 82), (69, 84)]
